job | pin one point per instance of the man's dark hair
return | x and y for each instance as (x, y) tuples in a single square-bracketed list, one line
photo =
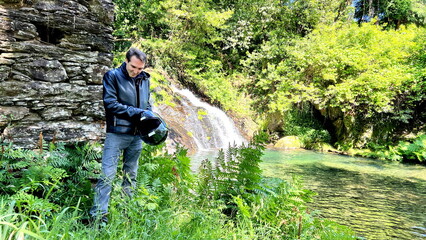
[(137, 53)]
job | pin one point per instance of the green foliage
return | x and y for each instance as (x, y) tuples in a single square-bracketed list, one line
[(41, 181), (14, 225), (266, 26), (136, 19), (415, 150), (281, 207), (351, 66), (229, 201), (161, 166), (409, 151), (161, 175), (32, 205), (81, 160), (391, 12), (264, 207), (236, 172), (162, 91), (352, 74)]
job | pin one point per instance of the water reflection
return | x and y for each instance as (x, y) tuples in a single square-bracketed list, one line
[(376, 199)]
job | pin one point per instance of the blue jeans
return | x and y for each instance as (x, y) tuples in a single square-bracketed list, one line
[(115, 143)]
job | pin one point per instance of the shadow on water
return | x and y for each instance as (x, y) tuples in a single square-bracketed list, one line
[(378, 200)]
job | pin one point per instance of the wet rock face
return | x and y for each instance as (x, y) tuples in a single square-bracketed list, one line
[(53, 55)]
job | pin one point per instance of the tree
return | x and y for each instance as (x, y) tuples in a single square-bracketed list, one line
[(391, 12), (138, 19), (354, 76)]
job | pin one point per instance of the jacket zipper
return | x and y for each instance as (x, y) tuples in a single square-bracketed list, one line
[(137, 83)]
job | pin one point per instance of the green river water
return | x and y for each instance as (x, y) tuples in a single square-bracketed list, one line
[(378, 200)]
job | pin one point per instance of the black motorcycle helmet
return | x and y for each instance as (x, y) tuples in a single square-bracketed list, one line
[(152, 128)]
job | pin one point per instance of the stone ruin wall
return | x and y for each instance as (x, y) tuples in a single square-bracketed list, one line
[(53, 55)]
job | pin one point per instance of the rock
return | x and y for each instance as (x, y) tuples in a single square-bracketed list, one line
[(178, 135), (288, 142), (9, 114), (56, 113), (44, 70), (75, 131), (53, 54), (274, 122), (4, 72), (94, 73), (23, 31), (12, 1)]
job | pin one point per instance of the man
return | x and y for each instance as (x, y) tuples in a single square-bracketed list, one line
[(125, 96)]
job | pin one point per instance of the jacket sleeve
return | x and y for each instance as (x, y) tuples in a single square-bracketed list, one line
[(110, 99)]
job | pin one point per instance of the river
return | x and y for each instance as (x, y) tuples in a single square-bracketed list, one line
[(378, 200)]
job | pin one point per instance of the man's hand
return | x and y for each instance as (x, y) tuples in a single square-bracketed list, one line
[(147, 114)]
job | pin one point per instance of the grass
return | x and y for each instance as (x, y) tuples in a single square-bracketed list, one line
[(182, 219)]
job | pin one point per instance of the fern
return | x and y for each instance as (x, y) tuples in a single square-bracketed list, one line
[(235, 182), (410, 151), (16, 165), (9, 157), (32, 205), (150, 167), (236, 173), (55, 172), (205, 186), (169, 169)]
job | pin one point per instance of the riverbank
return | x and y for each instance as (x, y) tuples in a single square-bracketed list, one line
[(413, 151)]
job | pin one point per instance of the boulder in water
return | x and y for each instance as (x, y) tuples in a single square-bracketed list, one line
[(288, 142)]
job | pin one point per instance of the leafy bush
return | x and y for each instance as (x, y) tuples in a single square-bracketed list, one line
[(42, 181), (365, 81), (414, 151)]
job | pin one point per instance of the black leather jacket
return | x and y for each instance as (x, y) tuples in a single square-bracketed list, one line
[(125, 98)]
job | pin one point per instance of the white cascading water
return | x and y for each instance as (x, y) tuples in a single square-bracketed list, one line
[(209, 126)]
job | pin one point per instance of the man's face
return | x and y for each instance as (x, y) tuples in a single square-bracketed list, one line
[(134, 66)]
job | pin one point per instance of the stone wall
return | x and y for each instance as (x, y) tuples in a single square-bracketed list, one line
[(53, 55)]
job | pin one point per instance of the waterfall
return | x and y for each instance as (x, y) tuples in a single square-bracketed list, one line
[(209, 126)]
